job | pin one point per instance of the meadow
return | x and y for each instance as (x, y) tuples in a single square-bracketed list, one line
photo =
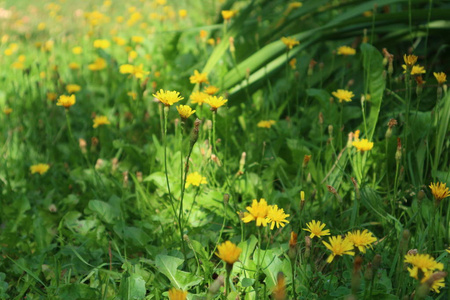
[(258, 149)]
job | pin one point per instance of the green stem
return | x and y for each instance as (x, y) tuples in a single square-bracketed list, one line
[(166, 114), (214, 131)]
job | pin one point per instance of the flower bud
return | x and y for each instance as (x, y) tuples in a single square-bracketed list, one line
[(194, 133)]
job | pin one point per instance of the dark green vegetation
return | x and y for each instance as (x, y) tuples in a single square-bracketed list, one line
[(102, 223)]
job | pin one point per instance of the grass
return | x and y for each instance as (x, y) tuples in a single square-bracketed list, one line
[(145, 204)]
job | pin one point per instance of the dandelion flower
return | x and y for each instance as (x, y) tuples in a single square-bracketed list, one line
[(215, 102), (137, 39), (436, 283), (39, 168), (423, 262), (361, 240), (257, 212), (343, 95), (168, 98), (415, 70), (185, 111), (199, 97), (439, 190), (228, 14), (276, 216), (410, 60), (98, 64), (441, 77), (265, 123), (195, 179), (211, 90), (199, 77), (74, 66), (228, 252), (363, 145), (77, 50), (316, 229), (346, 51), (182, 13), (7, 110), (289, 42), (101, 120), (52, 96), (73, 88), (66, 101), (293, 63), (338, 246), (176, 294), (101, 44)]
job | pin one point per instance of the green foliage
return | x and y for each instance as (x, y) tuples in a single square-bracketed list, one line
[(113, 217)]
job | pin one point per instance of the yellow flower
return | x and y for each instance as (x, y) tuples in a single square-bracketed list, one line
[(101, 120), (199, 77), (133, 95), (424, 262), (168, 97), (346, 50), (441, 77), (39, 168), (136, 71), (73, 88), (361, 240), (99, 64), (101, 44), (228, 252), (195, 179), (137, 39), (182, 13), (203, 34), (439, 190), (211, 90), (228, 14), (316, 229), (126, 69), (176, 294), (416, 70), (66, 101), (293, 63), (119, 41), (257, 212), (343, 95), (185, 111), (77, 50), (410, 60), (363, 145), (289, 42), (436, 283), (215, 102), (338, 246), (74, 66), (7, 110), (276, 216), (52, 96), (17, 65), (199, 97), (266, 123)]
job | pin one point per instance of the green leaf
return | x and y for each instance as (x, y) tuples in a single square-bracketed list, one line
[(373, 65), (168, 265), (77, 291), (103, 210)]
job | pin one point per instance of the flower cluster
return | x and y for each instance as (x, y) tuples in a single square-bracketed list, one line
[(265, 214), (423, 267), (339, 245)]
